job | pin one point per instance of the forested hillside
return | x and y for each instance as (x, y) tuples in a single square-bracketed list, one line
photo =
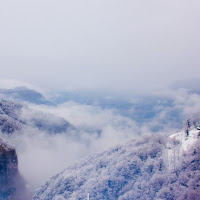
[(151, 167)]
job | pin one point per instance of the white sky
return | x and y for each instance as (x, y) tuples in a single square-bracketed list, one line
[(131, 44)]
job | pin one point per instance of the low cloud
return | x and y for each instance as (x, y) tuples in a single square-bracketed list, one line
[(42, 154)]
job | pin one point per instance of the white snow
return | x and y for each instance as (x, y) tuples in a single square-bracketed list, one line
[(128, 171), (186, 141), (179, 144)]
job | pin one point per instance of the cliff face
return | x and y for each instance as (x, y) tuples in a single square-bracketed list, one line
[(12, 186), (8, 169)]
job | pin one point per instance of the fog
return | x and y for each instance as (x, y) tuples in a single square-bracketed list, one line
[(42, 154), (132, 45), (122, 46)]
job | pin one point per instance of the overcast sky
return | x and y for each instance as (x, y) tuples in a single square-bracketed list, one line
[(131, 44)]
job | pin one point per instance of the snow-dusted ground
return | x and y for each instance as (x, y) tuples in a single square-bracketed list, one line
[(179, 144), (137, 170), (4, 145), (186, 141)]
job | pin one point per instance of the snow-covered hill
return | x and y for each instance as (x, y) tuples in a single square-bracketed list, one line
[(137, 170), (180, 143), (9, 120), (15, 116)]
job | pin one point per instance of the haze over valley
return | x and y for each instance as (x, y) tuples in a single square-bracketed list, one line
[(99, 100)]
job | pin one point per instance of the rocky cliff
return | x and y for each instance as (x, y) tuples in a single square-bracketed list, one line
[(12, 186)]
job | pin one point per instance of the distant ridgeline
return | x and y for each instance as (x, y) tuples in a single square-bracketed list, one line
[(152, 167), (15, 116), (25, 94), (140, 108)]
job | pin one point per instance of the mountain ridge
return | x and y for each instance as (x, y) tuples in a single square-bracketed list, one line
[(15, 116), (136, 170), (25, 94)]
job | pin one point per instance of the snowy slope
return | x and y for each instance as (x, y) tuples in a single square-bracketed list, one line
[(180, 143), (9, 120), (185, 140), (15, 116), (136, 170)]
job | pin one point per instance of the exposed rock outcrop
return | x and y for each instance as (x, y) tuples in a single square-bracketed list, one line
[(12, 185)]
